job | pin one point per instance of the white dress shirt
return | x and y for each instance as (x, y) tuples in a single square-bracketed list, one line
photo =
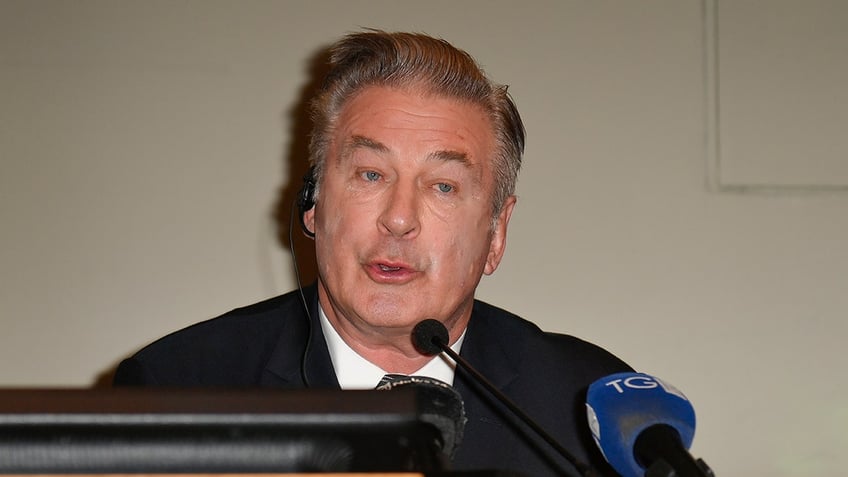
[(355, 372)]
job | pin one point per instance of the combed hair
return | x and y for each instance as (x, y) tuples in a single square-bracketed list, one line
[(413, 60)]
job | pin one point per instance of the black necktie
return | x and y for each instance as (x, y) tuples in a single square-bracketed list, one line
[(388, 381)]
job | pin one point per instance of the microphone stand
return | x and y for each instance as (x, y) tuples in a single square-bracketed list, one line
[(660, 448)]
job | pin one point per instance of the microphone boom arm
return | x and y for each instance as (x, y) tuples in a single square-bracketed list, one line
[(585, 471)]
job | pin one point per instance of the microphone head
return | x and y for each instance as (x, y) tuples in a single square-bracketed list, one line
[(622, 405), (427, 335), (439, 405)]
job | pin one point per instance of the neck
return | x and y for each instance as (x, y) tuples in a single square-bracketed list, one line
[(388, 347)]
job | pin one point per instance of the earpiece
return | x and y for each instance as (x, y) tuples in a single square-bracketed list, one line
[(306, 199)]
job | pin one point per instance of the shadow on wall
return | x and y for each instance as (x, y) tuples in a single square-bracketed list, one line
[(296, 157), (295, 162)]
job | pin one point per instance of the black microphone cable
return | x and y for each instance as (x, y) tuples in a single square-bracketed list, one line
[(302, 296)]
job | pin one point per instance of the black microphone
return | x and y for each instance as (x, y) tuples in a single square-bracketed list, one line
[(430, 337), (439, 405)]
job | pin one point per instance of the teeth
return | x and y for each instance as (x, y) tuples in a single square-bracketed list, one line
[(389, 269)]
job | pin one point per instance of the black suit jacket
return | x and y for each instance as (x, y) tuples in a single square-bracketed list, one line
[(275, 344)]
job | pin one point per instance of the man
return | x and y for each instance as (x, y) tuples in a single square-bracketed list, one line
[(415, 154)]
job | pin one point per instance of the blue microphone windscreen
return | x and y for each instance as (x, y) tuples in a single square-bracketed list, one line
[(621, 406)]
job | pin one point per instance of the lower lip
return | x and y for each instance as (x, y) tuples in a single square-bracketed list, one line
[(395, 277)]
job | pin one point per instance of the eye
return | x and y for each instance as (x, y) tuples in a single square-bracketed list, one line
[(445, 188), (371, 176)]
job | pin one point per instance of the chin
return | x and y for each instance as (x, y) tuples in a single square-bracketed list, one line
[(392, 311), (390, 315)]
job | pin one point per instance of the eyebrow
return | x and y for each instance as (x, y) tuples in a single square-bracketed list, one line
[(451, 156), (363, 142)]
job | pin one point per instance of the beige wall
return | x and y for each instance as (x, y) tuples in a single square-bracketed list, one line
[(699, 233)]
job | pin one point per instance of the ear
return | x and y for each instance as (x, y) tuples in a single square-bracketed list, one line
[(309, 223), (497, 245)]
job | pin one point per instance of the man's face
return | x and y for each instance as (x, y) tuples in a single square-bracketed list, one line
[(403, 224)]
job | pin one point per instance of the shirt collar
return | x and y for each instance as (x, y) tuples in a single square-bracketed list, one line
[(355, 372)]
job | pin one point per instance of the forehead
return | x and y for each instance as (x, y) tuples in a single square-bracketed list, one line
[(407, 120)]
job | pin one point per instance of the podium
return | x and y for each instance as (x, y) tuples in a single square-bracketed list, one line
[(156, 431)]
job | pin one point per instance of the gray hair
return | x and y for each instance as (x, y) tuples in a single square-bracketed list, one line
[(403, 60)]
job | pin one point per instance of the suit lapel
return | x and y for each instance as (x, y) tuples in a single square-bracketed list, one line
[(301, 341), (487, 350)]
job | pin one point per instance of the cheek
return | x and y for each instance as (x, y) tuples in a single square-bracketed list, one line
[(341, 233), (463, 250), (327, 224), (332, 216)]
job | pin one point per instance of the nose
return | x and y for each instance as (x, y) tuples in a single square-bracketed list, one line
[(400, 215)]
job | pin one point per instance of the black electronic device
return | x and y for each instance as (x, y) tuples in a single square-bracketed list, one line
[(306, 199), (215, 431)]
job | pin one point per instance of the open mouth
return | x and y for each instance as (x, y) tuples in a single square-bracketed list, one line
[(391, 272)]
